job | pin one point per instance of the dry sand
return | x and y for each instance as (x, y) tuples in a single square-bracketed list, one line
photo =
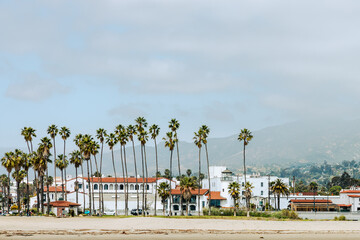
[(172, 228)]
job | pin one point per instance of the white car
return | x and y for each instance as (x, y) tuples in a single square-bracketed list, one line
[(109, 213)]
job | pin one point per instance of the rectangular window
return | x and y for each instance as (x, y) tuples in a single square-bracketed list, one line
[(242, 184), (262, 193), (262, 184)]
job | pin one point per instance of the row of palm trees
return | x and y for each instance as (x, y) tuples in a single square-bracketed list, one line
[(88, 148)]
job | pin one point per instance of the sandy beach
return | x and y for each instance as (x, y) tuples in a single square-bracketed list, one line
[(172, 228)]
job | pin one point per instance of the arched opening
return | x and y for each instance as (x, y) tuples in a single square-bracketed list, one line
[(106, 187)]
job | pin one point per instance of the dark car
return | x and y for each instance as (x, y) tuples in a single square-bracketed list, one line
[(135, 212)]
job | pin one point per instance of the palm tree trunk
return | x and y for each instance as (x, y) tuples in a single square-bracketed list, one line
[(27, 193), (89, 186), (8, 196), (278, 201), (123, 173), (234, 207), (247, 204), (136, 179), (156, 175), (208, 168), (42, 193), (97, 170), (76, 185), (127, 184), (92, 185), (47, 190), (163, 208), (18, 196), (112, 155), (37, 192), (62, 184), (178, 157), (187, 208), (83, 186), (65, 172), (199, 181), (143, 178), (146, 180), (171, 153), (101, 183), (55, 170)]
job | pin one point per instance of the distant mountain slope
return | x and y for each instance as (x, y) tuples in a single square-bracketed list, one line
[(295, 142)]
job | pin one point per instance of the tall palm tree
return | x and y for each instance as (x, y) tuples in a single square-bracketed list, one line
[(170, 143), (27, 165), (65, 134), (85, 148), (18, 173), (76, 160), (131, 130), (53, 131), (123, 139), (120, 132), (154, 131), (143, 138), (174, 125), (187, 184), (111, 141), (279, 188), (245, 136), (8, 162), (101, 134), (44, 151), (164, 192), (198, 142), (77, 141), (234, 191), (205, 133), (4, 181), (94, 151), (40, 164)]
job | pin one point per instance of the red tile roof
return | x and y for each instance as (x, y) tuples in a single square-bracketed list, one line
[(344, 205), (354, 196), (350, 191), (216, 196), (121, 180), (52, 189), (193, 192), (310, 201), (62, 204)]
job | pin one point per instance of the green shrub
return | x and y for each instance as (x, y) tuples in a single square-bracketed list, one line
[(342, 218), (283, 214)]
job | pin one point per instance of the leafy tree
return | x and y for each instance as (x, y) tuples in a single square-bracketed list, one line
[(164, 193), (234, 191), (187, 184), (335, 190)]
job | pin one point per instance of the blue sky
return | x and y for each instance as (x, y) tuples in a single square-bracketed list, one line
[(227, 64)]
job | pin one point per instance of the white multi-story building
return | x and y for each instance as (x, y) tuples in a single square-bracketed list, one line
[(221, 177)]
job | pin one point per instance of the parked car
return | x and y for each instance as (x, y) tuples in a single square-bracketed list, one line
[(110, 213), (135, 213)]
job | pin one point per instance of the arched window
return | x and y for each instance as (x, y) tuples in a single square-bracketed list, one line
[(131, 186), (96, 187), (121, 187), (111, 187), (147, 187), (136, 187), (106, 187), (116, 186)]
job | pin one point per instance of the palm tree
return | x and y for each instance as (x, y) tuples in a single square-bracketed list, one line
[(164, 192), (245, 136), (61, 164), (77, 141), (65, 134), (4, 181), (101, 134), (26, 166), (143, 138), (29, 133), (170, 143), (205, 133), (234, 191), (174, 125), (85, 148), (111, 141), (18, 176), (44, 151), (131, 130), (248, 191), (313, 187), (188, 172), (53, 131), (75, 158), (198, 142), (40, 164), (154, 131), (187, 184), (8, 162), (94, 151), (279, 188), (121, 134)]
